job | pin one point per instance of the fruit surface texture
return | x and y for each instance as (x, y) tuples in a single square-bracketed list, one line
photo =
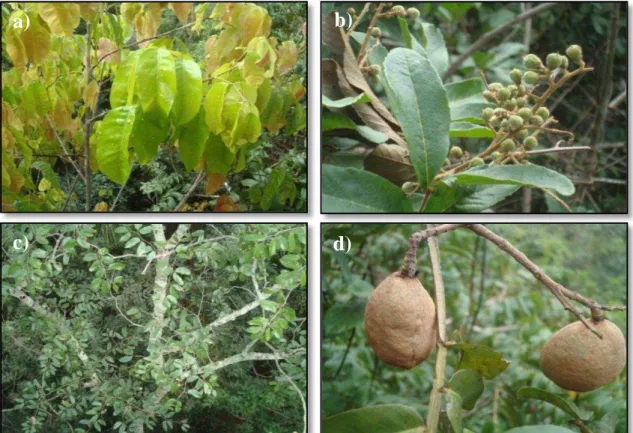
[(400, 321), (577, 360)]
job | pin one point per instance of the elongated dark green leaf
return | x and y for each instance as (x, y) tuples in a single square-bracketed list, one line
[(345, 102), (352, 190), (482, 197), (481, 358), (156, 83), (525, 175), (466, 100), (113, 142), (433, 42), (454, 410), (565, 405), (469, 385), (344, 316), (546, 428), (420, 105), (188, 95), (332, 121), (192, 140), (383, 418), (146, 137), (219, 158), (470, 130)]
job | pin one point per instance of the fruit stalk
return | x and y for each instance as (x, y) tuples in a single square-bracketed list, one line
[(433, 415)]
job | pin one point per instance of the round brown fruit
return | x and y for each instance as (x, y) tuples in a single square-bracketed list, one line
[(578, 360), (400, 321)]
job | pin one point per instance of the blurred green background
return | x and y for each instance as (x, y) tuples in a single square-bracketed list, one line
[(515, 314)]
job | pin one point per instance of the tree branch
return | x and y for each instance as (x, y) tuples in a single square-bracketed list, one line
[(190, 191), (252, 356), (435, 403), (488, 37), (237, 313)]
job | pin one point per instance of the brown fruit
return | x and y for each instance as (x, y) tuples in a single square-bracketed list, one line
[(400, 321), (577, 360)]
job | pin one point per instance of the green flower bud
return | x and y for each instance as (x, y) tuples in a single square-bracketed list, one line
[(399, 10), (476, 162), (495, 121), (447, 161), (504, 94), (532, 61), (543, 112), (516, 75), (520, 90), (521, 101), (500, 112), (489, 96), (456, 152), (507, 145), (409, 187), (495, 155), (530, 143), (375, 70), (525, 113), (516, 122), (522, 134), (553, 60), (564, 64), (351, 11), (510, 105), (504, 124), (375, 32), (530, 77), (537, 120), (495, 86), (413, 13), (487, 113), (574, 52), (513, 89)]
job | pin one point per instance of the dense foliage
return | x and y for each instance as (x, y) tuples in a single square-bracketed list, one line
[(121, 101), (154, 328), (457, 107), (490, 300)]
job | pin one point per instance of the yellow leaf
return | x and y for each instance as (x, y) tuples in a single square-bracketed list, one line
[(182, 10), (62, 18), (61, 115), (130, 10), (44, 185), (106, 46), (27, 46), (91, 11), (214, 106), (214, 182), (288, 55), (102, 206), (17, 180), (255, 22), (91, 94)]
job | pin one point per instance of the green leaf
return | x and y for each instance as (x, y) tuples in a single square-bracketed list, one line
[(132, 312), (370, 134), (219, 158), (433, 43), (333, 121), (192, 141), (533, 176), (132, 242), (420, 105), (482, 197), (352, 190), (39, 253), (146, 137), (483, 359), (156, 83), (183, 271), (122, 92), (566, 406), (466, 101), (383, 418), (291, 261), (469, 385), (214, 106), (113, 141), (343, 316), (125, 359), (608, 423), (470, 130), (345, 102), (188, 91), (454, 410), (546, 428)]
